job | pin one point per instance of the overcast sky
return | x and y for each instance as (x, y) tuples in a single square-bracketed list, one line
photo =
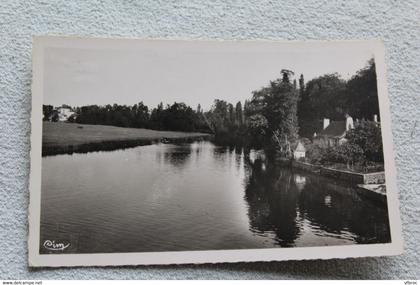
[(190, 72)]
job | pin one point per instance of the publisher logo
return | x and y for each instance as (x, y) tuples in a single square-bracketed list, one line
[(53, 245)]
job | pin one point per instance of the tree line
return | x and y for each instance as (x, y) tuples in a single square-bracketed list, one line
[(274, 116), (286, 110), (175, 117), (329, 96)]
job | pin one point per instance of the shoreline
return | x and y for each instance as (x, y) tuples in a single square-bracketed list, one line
[(68, 138), (111, 145), (366, 184)]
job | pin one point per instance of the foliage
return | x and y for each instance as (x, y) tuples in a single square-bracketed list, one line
[(280, 108), (239, 114), (47, 111), (175, 117), (273, 109), (228, 123), (316, 154), (258, 123), (362, 93), (322, 97), (348, 153), (329, 96), (367, 135)]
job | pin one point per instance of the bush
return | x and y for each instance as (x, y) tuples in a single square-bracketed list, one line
[(315, 154), (348, 153), (367, 135)]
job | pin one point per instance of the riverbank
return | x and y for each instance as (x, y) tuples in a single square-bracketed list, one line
[(62, 138), (371, 185), (350, 176)]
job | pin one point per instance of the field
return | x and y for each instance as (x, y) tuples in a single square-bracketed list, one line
[(68, 138)]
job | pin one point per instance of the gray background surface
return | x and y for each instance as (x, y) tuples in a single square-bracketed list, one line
[(396, 22)]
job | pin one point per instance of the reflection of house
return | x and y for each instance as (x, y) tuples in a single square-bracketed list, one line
[(300, 181), (299, 151), (256, 154), (334, 133)]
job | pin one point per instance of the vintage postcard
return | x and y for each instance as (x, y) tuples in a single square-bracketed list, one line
[(169, 152)]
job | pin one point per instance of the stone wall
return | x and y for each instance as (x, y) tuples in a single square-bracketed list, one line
[(374, 178), (357, 178)]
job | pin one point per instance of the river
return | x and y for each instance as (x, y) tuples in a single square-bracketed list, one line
[(196, 196)]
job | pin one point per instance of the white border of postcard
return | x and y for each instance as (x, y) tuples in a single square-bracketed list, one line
[(211, 256)]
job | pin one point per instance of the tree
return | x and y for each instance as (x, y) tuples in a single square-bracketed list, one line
[(179, 117), (301, 85), (140, 115), (362, 93), (322, 97), (348, 153), (54, 116), (232, 115), (286, 75), (367, 135), (156, 117), (280, 106), (47, 111), (257, 128), (219, 115), (239, 114), (315, 153)]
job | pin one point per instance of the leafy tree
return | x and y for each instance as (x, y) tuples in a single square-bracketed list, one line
[(315, 153), (329, 96), (232, 115), (179, 117), (219, 115), (367, 135), (54, 116), (257, 127), (239, 114), (140, 114), (348, 153), (47, 111), (279, 106), (175, 117), (362, 93), (322, 97), (156, 117), (301, 85)]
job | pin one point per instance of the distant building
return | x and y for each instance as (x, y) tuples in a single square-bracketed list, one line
[(299, 151), (64, 113), (334, 132)]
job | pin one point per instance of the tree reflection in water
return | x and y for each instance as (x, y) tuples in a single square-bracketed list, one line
[(272, 199), (286, 203)]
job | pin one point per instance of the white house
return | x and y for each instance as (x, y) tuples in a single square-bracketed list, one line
[(64, 113), (299, 151)]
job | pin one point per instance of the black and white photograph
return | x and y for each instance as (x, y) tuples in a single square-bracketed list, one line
[(172, 151)]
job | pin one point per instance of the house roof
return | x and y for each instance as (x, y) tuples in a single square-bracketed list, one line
[(300, 147), (334, 129)]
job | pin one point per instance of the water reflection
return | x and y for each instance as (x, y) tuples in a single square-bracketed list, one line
[(177, 155), (290, 204), (197, 196), (272, 199)]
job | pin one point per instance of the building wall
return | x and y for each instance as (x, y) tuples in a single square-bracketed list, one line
[(298, 154)]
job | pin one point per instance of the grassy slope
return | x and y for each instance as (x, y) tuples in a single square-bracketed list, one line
[(65, 134)]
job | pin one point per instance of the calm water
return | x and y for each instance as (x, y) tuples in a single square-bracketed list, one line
[(196, 196)]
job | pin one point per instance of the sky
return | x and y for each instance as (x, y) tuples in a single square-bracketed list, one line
[(127, 72)]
